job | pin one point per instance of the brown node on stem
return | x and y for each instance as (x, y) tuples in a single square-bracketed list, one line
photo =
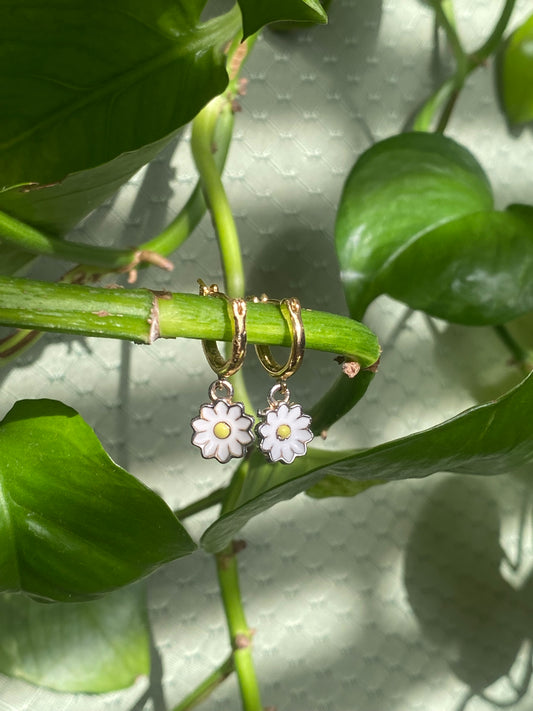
[(349, 367), (238, 546), (242, 641)]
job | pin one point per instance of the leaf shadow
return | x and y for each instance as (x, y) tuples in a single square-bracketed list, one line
[(465, 607), (154, 691)]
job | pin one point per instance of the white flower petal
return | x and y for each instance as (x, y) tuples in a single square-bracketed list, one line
[(201, 438), (266, 430), (287, 452), (283, 411), (271, 417), (269, 442), (236, 449), (298, 447), (221, 409), (223, 452), (200, 425), (244, 437), (244, 423), (294, 413), (235, 412), (302, 423), (304, 435), (209, 449), (207, 412), (274, 452)]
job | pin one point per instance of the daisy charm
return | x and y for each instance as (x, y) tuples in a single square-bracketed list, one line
[(222, 430), (285, 431)]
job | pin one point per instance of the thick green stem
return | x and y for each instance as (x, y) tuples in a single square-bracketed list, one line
[(143, 316), (206, 688), (215, 194), (239, 632)]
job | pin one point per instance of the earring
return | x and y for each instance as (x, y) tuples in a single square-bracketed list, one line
[(222, 429), (284, 431)]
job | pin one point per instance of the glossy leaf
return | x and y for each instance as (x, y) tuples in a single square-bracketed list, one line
[(494, 438), (56, 208), (256, 13), (73, 524), (91, 647), (13, 260), (97, 88), (331, 486), (476, 270), (515, 69), (398, 190)]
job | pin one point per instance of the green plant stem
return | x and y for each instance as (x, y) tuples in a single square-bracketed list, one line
[(143, 316), (492, 43), (228, 240), (343, 395), (239, 632), (449, 91), (445, 19), (15, 232), (215, 195), (214, 191), (234, 489), (206, 688), (16, 343), (212, 499), (520, 356)]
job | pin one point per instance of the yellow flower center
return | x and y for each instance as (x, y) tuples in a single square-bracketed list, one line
[(283, 432), (222, 430)]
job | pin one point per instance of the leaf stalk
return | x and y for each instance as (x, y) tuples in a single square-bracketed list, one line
[(206, 688)]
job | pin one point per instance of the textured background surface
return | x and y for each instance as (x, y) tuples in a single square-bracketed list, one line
[(349, 597)]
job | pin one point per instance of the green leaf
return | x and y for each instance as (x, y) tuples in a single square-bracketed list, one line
[(494, 438), (94, 91), (337, 486), (398, 190), (73, 524), (90, 647), (257, 13), (515, 70), (13, 260), (476, 270), (56, 208)]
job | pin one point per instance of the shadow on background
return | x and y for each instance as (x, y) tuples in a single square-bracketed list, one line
[(456, 589)]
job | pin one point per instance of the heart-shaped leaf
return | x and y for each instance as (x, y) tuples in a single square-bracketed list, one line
[(476, 270), (256, 13), (109, 83), (398, 190), (515, 69), (73, 524), (90, 647), (494, 438)]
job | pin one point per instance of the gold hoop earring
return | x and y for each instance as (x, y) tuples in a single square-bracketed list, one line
[(222, 429), (284, 431)]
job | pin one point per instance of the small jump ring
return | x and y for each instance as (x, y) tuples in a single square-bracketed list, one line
[(292, 313), (237, 312)]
